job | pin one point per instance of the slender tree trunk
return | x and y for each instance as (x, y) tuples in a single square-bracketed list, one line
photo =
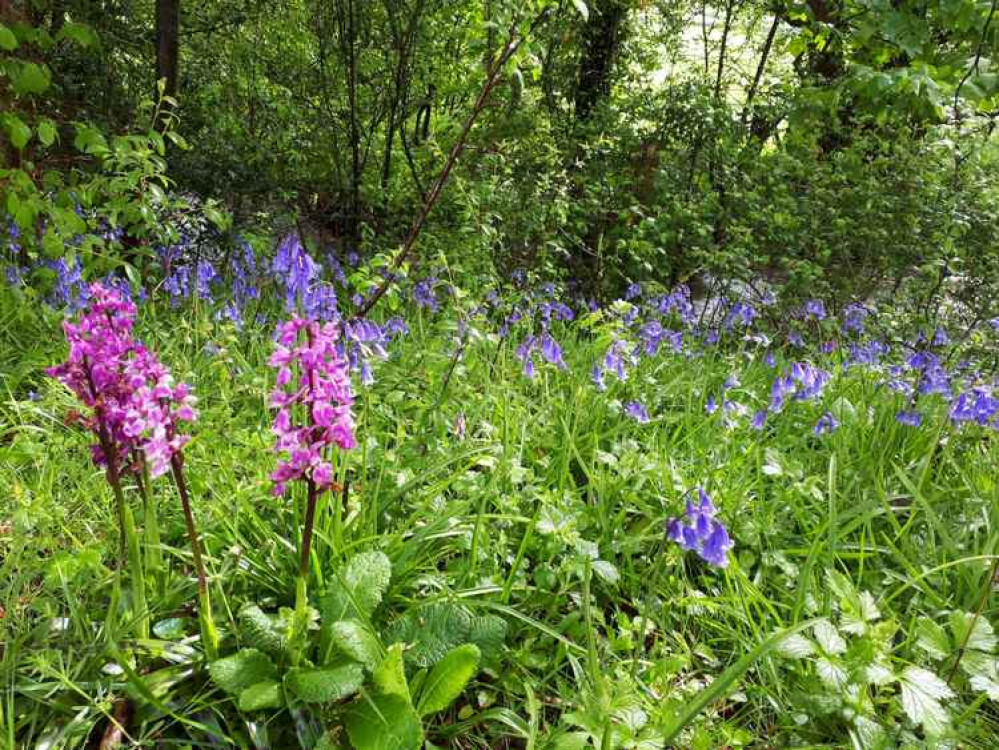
[(168, 44), (602, 35), (760, 69)]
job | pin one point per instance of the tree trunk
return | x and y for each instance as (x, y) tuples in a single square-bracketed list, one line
[(168, 44), (601, 42)]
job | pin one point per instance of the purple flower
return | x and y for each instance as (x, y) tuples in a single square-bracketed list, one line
[(814, 309), (295, 269), (425, 294), (759, 419), (711, 406), (701, 532), (910, 418), (826, 424), (633, 290), (637, 411), (314, 381), (597, 376)]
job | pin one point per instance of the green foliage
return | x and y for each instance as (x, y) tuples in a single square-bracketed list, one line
[(325, 684), (447, 679)]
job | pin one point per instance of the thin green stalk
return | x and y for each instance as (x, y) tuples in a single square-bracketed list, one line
[(209, 634)]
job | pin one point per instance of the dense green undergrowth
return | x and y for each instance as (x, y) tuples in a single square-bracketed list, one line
[(534, 510)]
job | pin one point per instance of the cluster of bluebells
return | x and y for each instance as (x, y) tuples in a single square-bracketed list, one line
[(313, 398), (701, 532), (135, 406)]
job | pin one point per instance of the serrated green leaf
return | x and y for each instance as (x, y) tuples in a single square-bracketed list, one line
[(384, 722), (797, 646), (829, 639), (488, 633), (448, 679), (241, 670), (325, 684), (974, 633), (352, 638), (922, 692), (933, 639), (262, 695)]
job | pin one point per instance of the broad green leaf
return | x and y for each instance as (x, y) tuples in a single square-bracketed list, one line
[(389, 677), (357, 589), (448, 679), (47, 132), (8, 42), (606, 571), (384, 722), (241, 670), (262, 695), (79, 33), (17, 131), (431, 632), (32, 78), (352, 638), (261, 629), (922, 692), (325, 684)]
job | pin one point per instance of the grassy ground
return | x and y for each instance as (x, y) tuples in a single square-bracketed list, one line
[(549, 513)]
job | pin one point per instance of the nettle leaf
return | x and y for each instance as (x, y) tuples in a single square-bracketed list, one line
[(831, 673), (879, 673), (357, 590), (797, 646), (975, 633), (606, 571), (17, 131), (262, 695), (384, 722), (933, 639), (247, 667), (325, 684), (352, 638), (922, 692), (448, 679), (986, 685), (829, 639)]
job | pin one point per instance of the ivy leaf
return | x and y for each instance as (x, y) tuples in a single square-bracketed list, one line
[(325, 684), (262, 695), (922, 692), (448, 679), (247, 667), (384, 722)]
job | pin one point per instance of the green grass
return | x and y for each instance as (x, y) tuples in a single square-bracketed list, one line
[(510, 521)]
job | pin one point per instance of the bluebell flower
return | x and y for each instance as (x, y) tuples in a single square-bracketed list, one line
[(794, 339), (741, 313), (295, 269), (827, 423), (552, 352), (854, 318), (940, 337), (701, 532), (425, 295), (759, 419), (597, 376), (910, 417), (814, 309), (637, 411), (633, 290), (770, 359), (711, 406)]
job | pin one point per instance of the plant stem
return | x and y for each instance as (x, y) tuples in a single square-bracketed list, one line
[(303, 564), (209, 635), (151, 526)]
